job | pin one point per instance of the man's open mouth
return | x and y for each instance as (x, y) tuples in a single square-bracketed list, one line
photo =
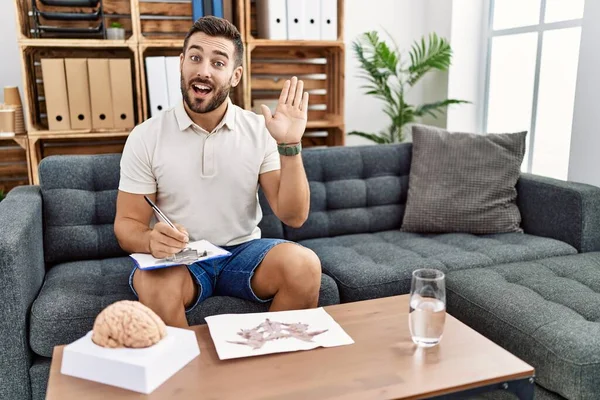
[(201, 88)]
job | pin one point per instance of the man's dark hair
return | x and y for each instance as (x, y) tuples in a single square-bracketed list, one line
[(218, 27)]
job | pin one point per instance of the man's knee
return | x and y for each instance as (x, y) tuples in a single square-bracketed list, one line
[(166, 284), (301, 269)]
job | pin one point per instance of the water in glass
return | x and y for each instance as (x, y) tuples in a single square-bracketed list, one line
[(427, 314)]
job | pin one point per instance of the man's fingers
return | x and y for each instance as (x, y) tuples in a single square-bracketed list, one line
[(164, 251), (304, 106), (284, 92), (299, 91), (182, 229), (173, 233), (266, 112), (292, 92), (170, 242)]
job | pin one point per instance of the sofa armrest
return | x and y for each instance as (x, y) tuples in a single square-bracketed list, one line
[(21, 275), (566, 211)]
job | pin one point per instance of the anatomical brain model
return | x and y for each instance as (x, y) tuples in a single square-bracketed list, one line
[(128, 324)]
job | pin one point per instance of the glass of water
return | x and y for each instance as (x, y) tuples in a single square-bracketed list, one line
[(427, 314)]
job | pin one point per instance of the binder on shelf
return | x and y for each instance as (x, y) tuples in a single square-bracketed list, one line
[(312, 19), (100, 93), (156, 77), (197, 9), (121, 88), (173, 80), (217, 8), (55, 91), (296, 19), (329, 19), (208, 7), (78, 91), (271, 18), (228, 10)]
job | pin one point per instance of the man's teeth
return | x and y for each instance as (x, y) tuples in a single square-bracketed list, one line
[(202, 87)]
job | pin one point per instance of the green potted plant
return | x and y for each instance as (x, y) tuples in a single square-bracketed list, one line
[(115, 31), (2, 195), (391, 75)]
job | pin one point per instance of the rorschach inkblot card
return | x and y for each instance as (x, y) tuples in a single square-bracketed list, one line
[(246, 335)]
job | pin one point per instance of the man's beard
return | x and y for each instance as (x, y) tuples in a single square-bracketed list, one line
[(219, 95)]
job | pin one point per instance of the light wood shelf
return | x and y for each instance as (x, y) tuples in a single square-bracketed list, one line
[(295, 43), (8, 155), (77, 43), (164, 43), (78, 134), (261, 80)]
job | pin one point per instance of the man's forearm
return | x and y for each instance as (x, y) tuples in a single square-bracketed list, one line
[(293, 198), (133, 236)]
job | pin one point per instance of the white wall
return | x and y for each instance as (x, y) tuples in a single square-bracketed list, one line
[(437, 17), (10, 66), (584, 161), (466, 79)]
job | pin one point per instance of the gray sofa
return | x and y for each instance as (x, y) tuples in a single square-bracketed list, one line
[(533, 293)]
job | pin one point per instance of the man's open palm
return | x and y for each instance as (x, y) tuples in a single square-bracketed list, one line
[(289, 122)]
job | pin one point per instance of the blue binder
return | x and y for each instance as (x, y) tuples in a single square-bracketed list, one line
[(197, 9), (217, 8)]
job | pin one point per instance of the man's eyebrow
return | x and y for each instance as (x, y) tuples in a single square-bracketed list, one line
[(219, 52)]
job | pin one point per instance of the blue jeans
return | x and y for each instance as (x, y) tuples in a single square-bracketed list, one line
[(228, 276)]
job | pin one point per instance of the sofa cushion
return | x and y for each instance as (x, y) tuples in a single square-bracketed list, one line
[(368, 266), (354, 190), (546, 312), (80, 194), (75, 292), (463, 182)]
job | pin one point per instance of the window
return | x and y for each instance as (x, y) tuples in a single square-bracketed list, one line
[(533, 52)]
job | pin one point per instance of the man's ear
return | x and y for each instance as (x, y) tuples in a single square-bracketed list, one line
[(181, 61), (237, 76)]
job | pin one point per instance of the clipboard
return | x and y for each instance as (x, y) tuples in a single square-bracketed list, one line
[(201, 250)]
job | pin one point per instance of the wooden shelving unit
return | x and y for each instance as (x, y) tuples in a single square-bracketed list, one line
[(158, 28), (15, 165)]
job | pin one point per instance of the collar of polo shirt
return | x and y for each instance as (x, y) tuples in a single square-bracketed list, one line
[(184, 121)]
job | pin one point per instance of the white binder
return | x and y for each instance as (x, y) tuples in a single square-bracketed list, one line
[(173, 80), (271, 18), (329, 19), (296, 20), (312, 19), (156, 79)]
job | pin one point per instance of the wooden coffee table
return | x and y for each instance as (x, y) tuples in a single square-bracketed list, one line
[(382, 364)]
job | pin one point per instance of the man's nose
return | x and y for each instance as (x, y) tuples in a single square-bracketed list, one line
[(203, 70)]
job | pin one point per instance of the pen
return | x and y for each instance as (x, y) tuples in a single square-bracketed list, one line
[(159, 213)]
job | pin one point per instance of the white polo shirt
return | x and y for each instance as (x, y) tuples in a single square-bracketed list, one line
[(205, 181)]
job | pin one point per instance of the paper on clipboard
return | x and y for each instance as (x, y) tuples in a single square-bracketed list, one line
[(147, 261)]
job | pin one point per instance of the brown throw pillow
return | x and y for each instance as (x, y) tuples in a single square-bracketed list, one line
[(463, 182)]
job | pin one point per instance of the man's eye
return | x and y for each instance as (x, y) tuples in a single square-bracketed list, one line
[(220, 64), (195, 58)]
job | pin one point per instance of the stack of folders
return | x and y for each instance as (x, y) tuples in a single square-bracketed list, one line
[(218, 8), (297, 19), (163, 79), (94, 93)]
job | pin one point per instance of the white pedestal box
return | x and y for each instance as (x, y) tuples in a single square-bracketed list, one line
[(140, 370)]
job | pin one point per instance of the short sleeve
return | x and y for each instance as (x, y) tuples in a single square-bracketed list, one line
[(271, 161), (136, 166)]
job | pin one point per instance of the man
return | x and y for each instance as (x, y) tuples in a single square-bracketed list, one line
[(201, 162)]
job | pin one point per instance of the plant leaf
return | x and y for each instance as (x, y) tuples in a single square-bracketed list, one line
[(436, 107), (371, 136), (435, 54)]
